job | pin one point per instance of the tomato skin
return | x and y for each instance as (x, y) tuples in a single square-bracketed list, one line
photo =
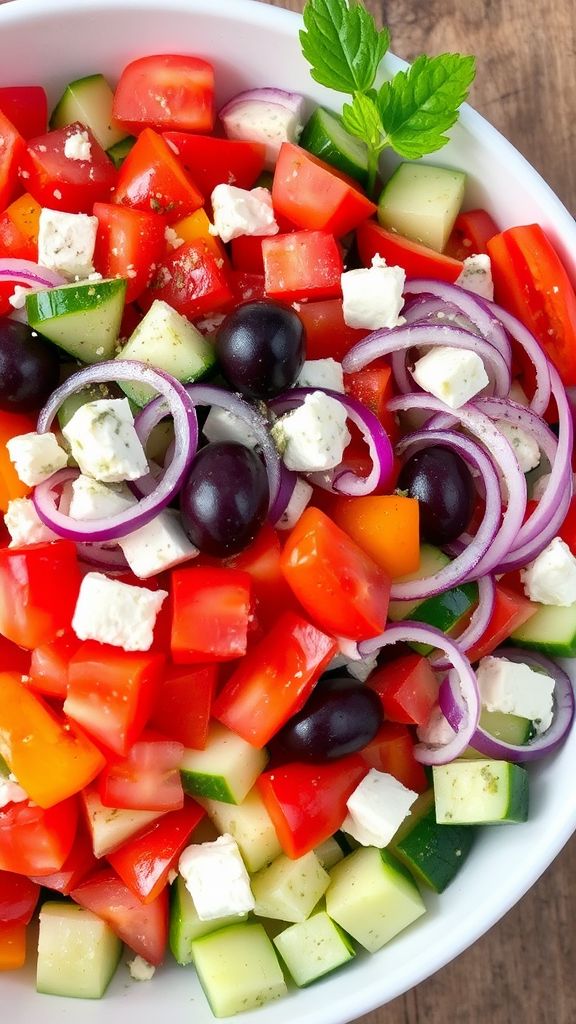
[(184, 704), (274, 680), (211, 614), (151, 179), (18, 898), (345, 593), (26, 106), (12, 152), (143, 927), (128, 242), (211, 161), (511, 611), (247, 254), (302, 265), (13, 658), (166, 91), (246, 287), (261, 560), (407, 688), (62, 184), (392, 751), (145, 862), (471, 233), (148, 779), (192, 281), (307, 802), (29, 615), (19, 229), (374, 387), (78, 864), (416, 259), (48, 672), (327, 335), (35, 841)]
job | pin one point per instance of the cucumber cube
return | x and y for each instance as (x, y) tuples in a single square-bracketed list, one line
[(422, 202), (313, 948), (238, 969), (78, 953), (432, 853), (289, 889), (84, 318), (89, 100), (185, 925), (482, 792), (551, 629), (329, 853), (225, 770), (250, 825)]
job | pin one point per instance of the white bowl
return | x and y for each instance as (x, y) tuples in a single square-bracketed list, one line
[(255, 45)]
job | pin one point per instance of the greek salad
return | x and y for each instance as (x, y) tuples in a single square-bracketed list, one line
[(289, 540)]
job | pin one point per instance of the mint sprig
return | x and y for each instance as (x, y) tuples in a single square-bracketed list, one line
[(411, 112)]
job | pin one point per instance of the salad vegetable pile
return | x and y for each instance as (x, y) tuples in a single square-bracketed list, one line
[(289, 541)]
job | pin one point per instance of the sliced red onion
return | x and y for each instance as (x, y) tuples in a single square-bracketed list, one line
[(453, 711), (271, 116), (110, 558), (502, 455), (341, 479), (382, 343), (535, 353), (469, 697), (26, 272), (546, 742), (479, 311), (288, 481), (463, 565), (478, 623), (175, 401)]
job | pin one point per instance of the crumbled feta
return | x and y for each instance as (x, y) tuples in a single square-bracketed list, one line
[(11, 792), (66, 242), (525, 447), (269, 123), (116, 613), (104, 442), (36, 457), (140, 969), (216, 878), (313, 437), (372, 297), (321, 373), (377, 808), (172, 238), (437, 732), (239, 211), (454, 375), (78, 147), (24, 525), (18, 298), (221, 425), (92, 500), (476, 276), (159, 545), (361, 669), (551, 577), (299, 500), (515, 689)]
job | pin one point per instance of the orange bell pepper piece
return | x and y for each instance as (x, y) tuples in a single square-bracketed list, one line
[(12, 946), (385, 526), (195, 228), (12, 424)]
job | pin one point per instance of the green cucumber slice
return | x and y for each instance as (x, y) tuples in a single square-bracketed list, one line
[(288, 890), (84, 319), (432, 853), (185, 925), (313, 948), (120, 150), (324, 136), (78, 953), (250, 825), (238, 969), (551, 630), (330, 852), (482, 792), (421, 202), (432, 559), (89, 100), (225, 770)]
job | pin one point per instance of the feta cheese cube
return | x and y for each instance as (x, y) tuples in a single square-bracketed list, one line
[(240, 211), (372, 297), (551, 577), (515, 689), (221, 425), (454, 375), (476, 276), (216, 878), (36, 457), (24, 525), (314, 436), (116, 613), (377, 808), (159, 545), (361, 669), (299, 500), (11, 792), (437, 732), (321, 373), (66, 242), (104, 443), (525, 447), (78, 147), (140, 969), (92, 500)]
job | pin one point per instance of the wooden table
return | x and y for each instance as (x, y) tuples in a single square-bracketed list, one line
[(522, 972)]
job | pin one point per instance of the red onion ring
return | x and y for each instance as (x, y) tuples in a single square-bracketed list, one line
[(27, 272), (534, 351), (478, 623), (415, 632), (181, 409), (479, 311)]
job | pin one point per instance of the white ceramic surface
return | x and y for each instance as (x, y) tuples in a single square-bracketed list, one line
[(251, 44)]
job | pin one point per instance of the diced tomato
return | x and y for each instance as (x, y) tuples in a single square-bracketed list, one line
[(392, 751), (49, 665), (302, 265), (129, 244), (12, 150), (385, 526), (247, 254), (110, 827), (18, 898), (59, 183), (12, 946), (11, 424), (166, 91), (143, 927), (192, 281), (373, 386), (152, 179), (511, 611), (471, 233), (246, 287), (307, 802), (211, 614), (111, 692), (531, 282), (342, 589), (313, 195), (79, 863), (274, 680), (19, 229), (34, 841), (416, 259), (184, 704), (51, 759), (261, 560), (147, 779), (29, 614), (26, 106), (327, 335), (407, 688), (14, 658), (145, 862), (211, 161)]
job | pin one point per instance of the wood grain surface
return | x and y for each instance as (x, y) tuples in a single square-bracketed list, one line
[(523, 970)]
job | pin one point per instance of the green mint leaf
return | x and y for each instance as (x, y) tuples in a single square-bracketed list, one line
[(342, 44), (418, 106), (361, 118)]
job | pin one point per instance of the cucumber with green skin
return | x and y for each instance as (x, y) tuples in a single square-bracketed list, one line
[(78, 953), (507, 728), (84, 318), (483, 792), (421, 202), (551, 630), (89, 100), (225, 770), (432, 853), (325, 137), (313, 948), (238, 969), (250, 825), (120, 150), (186, 926), (287, 889)]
